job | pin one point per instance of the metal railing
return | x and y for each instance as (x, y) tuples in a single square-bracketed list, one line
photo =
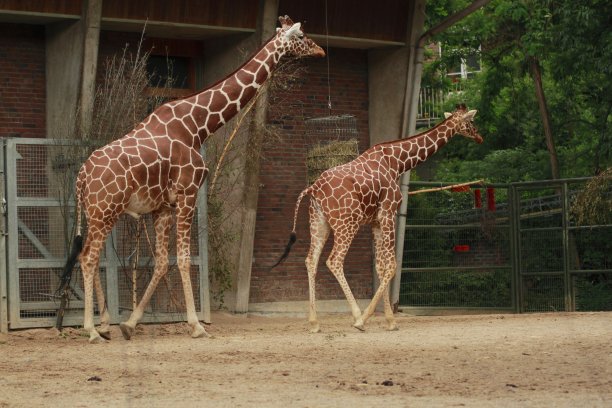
[(522, 253)]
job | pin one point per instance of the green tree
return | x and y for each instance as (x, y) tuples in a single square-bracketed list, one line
[(567, 47)]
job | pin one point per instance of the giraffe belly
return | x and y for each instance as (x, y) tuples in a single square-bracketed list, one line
[(138, 206)]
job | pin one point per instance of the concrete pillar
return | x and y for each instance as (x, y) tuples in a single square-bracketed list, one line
[(265, 30), (71, 65), (64, 59), (393, 82), (92, 15), (70, 69), (387, 70), (223, 55), (409, 116)]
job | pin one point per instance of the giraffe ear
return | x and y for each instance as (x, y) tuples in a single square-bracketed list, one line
[(447, 115), (285, 21), (294, 30), (470, 115)]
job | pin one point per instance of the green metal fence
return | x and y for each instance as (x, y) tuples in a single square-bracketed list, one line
[(504, 247)]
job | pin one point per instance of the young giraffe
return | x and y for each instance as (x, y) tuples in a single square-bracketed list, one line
[(157, 168), (366, 191)]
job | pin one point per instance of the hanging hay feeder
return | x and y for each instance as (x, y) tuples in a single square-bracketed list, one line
[(333, 142), (325, 156)]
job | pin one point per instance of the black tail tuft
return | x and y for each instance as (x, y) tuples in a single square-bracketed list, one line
[(77, 247), (292, 239)]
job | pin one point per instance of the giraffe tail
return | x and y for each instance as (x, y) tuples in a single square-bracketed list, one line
[(293, 235), (77, 247), (77, 243)]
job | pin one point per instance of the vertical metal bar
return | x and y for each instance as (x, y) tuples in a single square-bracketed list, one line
[(567, 277), (111, 263), (3, 262), (516, 248), (14, 301), (512, 244), (203, 249)]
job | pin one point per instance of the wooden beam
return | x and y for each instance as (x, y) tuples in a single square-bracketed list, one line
[(452, 19)]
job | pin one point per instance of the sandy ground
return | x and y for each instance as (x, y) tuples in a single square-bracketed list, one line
[(540, 360)]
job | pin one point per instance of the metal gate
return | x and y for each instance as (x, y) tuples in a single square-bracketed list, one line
[(509, 248), (457, 252), (38, 216), (562, 266)]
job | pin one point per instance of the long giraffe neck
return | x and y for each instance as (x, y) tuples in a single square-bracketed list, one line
[(405, 154), (216, 105)]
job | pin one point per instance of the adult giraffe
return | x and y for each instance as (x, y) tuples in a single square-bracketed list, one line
[(366, 191), (157, 168)]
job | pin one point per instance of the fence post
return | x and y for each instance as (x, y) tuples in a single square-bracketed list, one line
[(203, 251), (515, 245), (203, 247), (567, 276), (111, 264), (3, 276)]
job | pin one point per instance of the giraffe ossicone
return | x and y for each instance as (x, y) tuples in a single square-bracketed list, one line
[(366, 191), (157, 168)]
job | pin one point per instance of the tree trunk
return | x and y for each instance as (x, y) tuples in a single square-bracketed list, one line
[(536, 74)]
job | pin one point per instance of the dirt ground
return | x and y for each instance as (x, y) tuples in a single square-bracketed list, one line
[(540, 360)]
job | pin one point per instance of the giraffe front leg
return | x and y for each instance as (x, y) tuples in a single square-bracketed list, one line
[(342, 240), (161, 221), (389, 316), (185, 211), (385, 274), (383, 231)]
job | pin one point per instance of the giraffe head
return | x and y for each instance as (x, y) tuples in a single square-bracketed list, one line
[(465, 124), (295, 42)]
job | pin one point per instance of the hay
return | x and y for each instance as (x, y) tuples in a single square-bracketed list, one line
[(324, 156), (592, 205)]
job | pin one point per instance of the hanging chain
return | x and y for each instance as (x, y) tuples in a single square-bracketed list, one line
[(329, 104)]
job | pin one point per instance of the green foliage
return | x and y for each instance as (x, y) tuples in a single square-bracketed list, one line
[(456, 289), (593, 293), (573, 44)]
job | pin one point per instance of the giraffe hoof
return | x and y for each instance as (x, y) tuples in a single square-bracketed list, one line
[(105, 333), (126, 330), (199, 331), (314, 328), (95, 338), (392, 327), (359, 326)]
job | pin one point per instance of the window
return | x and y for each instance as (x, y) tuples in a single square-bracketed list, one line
[(170, 77)]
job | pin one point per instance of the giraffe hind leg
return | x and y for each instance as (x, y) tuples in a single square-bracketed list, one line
[(104, 329), (319, 232), (89, 258)]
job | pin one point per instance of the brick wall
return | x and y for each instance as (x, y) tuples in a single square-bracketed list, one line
[(283, 177), (22, 80)]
